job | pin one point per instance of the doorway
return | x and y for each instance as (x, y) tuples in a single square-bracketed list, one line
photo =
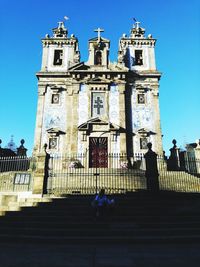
[(98, 152)]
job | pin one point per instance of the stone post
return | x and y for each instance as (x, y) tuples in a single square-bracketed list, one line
[(151, 170), (174, 162), (39, 174), (21, 150)]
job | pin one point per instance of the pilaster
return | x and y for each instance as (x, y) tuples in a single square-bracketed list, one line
[(39, 119), (74, 128), (122, 118), (158, 137), (72, 118)]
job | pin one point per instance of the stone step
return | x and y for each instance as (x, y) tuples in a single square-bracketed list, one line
[(17, 216), (123, 211), (135, 218), (119, 239), (94, 224), (107, 231)]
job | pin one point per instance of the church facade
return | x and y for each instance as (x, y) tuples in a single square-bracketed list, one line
[(98, 106)]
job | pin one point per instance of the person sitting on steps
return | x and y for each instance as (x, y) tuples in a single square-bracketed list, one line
[(102, 203)]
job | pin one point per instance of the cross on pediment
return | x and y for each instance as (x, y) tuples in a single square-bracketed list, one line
[(98, 105), (99, 30)]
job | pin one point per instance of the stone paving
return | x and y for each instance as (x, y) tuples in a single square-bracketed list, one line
[(136, 255)]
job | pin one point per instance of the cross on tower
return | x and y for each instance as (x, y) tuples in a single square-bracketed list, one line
[(98, 105), (137, 23), (99, 30)]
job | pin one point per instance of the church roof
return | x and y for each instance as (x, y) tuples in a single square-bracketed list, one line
[(95, 39), (11, 145)]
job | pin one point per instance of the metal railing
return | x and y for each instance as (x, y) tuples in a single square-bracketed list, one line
[(67, 174), (72, 174)]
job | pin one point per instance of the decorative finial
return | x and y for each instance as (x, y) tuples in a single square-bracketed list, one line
[(22, 142), (99, 30), (174, 142)]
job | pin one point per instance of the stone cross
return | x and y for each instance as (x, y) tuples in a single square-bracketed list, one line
[(98, 105), (60, 24), (137, 23), (99, 30)]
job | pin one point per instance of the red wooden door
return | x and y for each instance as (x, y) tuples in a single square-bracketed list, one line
[(98, 152)]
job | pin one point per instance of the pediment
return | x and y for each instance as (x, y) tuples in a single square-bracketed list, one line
[(98, 80), (147, 132), (56, 131), (97, 124), (78, 66)]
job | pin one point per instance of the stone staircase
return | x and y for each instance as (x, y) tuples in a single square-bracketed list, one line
[(179, 181), (138, 218)]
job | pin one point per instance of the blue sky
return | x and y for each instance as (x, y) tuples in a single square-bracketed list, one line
[(175, 24)]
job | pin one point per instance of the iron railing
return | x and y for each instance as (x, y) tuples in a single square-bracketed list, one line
[(67, 174), (72, 174)]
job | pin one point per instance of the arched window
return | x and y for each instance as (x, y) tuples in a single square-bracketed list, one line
[(98, 58)]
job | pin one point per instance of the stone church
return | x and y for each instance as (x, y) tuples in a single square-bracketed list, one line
[(83, 106)]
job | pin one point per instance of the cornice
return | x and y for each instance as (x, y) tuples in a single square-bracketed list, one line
[(138, 41)]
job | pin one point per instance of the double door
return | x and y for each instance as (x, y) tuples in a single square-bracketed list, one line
[(98, 152)]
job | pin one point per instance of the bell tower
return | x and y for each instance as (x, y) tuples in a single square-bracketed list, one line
[(137, 53), (99, 51), (55, 93), (59, 51)]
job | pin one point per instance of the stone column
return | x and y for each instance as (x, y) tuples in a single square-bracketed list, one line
[(39, 120), (122, 116)]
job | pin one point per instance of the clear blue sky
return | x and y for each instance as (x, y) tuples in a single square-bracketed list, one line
[(175, 24)]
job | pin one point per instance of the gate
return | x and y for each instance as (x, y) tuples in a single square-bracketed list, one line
[(77, 174), (88, 173)]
